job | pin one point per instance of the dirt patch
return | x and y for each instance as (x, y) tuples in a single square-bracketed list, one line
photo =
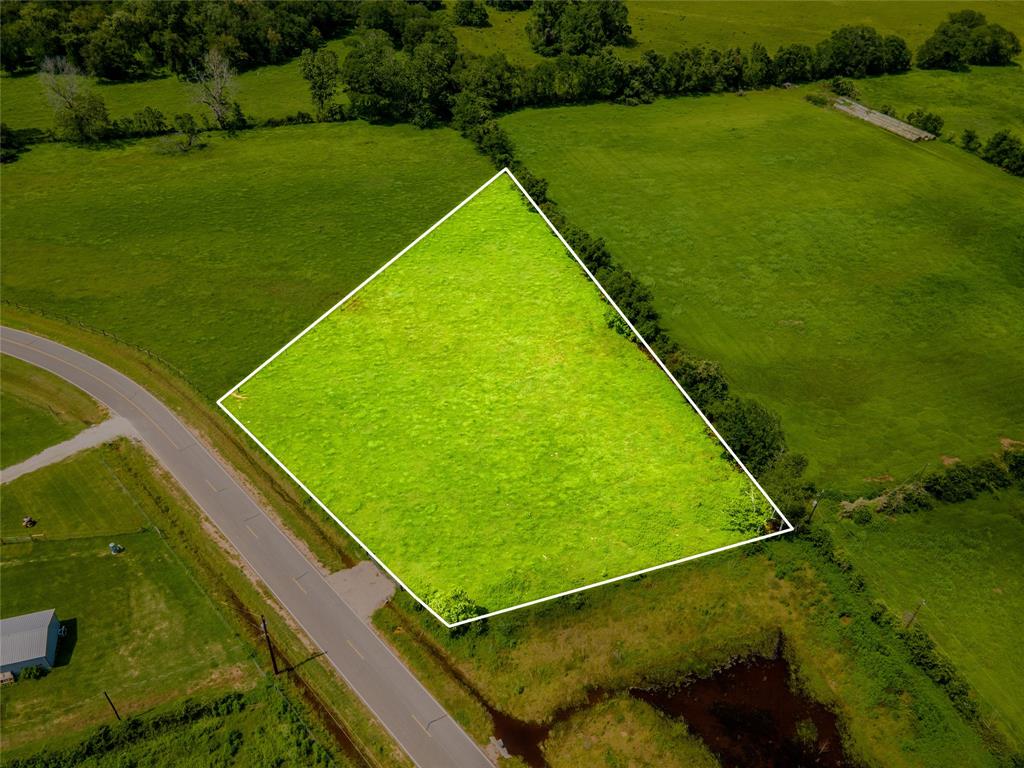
[(886, 478), (1008, 443), (949, 461)]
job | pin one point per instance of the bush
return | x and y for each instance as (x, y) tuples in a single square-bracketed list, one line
[(961, 482), (840, 86), (817, 99), (470, 13), (970, 141), (905, 499), (32, 673), (1005, 150), (926, 121), (751, 430)]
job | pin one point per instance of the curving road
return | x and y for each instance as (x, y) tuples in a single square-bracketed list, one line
[(408, 711)]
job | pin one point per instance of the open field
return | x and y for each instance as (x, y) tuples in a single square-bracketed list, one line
[(966, 561), (669, 25), (130, 615), (986, 99), (37, 410), (866, 289), (454, 410), (680, 623), (272, 91), (215, 259), (255, 728)]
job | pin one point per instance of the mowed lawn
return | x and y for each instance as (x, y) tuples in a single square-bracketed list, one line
[(38, 409), (215, 259), (966, 561), (139, 627), (866, 289), (471, 416), (271, 91)]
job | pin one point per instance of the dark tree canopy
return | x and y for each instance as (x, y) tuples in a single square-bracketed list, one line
[(577, 26), (127, 39), (967, 38)]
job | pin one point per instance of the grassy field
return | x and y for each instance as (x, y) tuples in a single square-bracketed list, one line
[(258, 727), (625, 732), (272, 91), (37, 410), (986, 99), (215, 259), (866, 289), (669, 25), (686, 622), (130, 616), (454, 411), (966, 561)]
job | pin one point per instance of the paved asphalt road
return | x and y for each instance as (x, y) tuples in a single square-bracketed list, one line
[(412, 716)]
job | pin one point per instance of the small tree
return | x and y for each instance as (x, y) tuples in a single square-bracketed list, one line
[(470, 13), (926, 121), (215, 87), (970, 141), (79, 113), (320, 69)]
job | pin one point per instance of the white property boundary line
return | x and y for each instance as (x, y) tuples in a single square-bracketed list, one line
[(646, 346)]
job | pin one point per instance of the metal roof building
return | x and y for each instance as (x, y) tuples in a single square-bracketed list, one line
[(29, 640)]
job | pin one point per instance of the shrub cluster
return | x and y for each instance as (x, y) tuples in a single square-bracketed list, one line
[(962, 481), (926, 121), (106, 738), (967, 38)]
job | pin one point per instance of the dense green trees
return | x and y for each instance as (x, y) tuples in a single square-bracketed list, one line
[(577, 26), (134, 38), (320, 69), (470, 13), (967, 38)]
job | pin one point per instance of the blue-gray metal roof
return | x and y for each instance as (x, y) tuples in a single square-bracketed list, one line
[(24, 637)]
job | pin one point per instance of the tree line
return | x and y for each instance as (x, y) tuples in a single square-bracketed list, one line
[(133, 39)]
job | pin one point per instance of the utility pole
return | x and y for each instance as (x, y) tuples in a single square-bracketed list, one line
[(913, 616), (810, 515), (112, 706), (270, 646)]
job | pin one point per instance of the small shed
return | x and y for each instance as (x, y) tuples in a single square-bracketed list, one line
[(29, 640)]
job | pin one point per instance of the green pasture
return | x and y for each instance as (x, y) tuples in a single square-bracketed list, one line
[(966, 561), (668, 25), (471, 416), (866, 289), (139, 627), (216, 258), (38, 409), (272, 91), (679, 623), (256, 728), (986, 99)]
